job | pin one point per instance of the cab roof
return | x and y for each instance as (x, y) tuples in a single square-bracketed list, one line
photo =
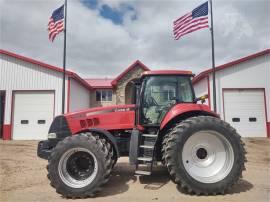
[(167, 72)]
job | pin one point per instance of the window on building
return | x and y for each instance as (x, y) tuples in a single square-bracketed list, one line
[(98, 95), (104, 95)]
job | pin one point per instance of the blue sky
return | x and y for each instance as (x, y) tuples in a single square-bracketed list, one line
[(114, 14), (92, 4)]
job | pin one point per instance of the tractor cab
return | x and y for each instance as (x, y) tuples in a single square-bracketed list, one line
[(158, 91)]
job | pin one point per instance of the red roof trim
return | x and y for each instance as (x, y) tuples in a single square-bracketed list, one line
[(98, 83), (228, 65), (47, 66), (102, 87), (137, 62), (26, 59), (82, 81)]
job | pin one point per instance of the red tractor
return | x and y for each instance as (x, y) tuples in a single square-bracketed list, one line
[(202, 153)]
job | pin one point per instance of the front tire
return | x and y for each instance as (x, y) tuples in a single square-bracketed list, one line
[(204, 155), (79, 165)]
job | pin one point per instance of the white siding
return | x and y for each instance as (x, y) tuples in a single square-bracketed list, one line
[(79, 96), (254, 73), (16, 74), (201, 88)]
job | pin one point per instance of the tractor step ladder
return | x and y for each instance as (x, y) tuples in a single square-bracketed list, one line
[(145, 157)]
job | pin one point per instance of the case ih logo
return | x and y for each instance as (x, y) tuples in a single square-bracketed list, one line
[(111, 110), (123, 109)]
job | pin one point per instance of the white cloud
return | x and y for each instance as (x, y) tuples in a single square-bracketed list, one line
[(234, 23), (97, 48)]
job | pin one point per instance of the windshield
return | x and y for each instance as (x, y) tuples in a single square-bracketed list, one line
[(161, 92)]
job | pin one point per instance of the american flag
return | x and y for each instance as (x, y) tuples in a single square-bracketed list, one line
[(56, 23), (192, 21)]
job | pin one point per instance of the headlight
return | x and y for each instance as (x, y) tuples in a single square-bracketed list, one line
[(51, 135)]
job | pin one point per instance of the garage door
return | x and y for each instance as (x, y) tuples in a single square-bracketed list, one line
[(32, 114), (245, 110)]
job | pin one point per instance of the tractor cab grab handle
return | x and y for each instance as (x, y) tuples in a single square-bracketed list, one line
[(201, 98)]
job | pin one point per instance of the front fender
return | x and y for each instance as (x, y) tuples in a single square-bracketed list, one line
[(184, 108), (107, 135)]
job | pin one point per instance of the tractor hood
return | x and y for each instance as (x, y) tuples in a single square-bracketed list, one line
[(109, 118)]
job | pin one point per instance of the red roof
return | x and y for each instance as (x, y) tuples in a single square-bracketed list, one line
[(100, 83), (46, 66), (229, 65), (136, 63), (108, 82)]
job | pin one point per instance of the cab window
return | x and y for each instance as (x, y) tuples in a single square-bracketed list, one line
[(160, 93)]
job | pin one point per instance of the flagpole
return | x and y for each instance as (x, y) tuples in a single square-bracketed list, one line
[(213, 58), (64, 61)]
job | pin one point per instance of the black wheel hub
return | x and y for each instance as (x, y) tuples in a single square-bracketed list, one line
[(201, 153), (80, 165)]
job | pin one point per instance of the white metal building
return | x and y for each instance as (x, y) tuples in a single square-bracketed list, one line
[(243, 93), (31, 96)]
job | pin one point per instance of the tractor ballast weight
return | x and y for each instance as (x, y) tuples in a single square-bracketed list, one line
[(202, 153)]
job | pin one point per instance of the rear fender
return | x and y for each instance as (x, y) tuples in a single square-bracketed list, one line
[(184, 111), (107, 135)]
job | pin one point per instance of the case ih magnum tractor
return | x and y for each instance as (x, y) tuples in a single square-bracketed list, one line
[(202, 153)]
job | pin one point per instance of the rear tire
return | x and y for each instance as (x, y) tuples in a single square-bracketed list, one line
[(204, 155), (79, 165)]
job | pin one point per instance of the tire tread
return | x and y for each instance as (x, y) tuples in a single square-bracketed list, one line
[(102, 146)]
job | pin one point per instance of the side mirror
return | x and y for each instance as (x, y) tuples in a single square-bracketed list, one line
[(201, 98)]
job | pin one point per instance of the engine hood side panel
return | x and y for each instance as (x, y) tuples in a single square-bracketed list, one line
[(109, 118)]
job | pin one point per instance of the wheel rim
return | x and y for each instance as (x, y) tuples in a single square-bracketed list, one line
[(78, 167), (207, 156)]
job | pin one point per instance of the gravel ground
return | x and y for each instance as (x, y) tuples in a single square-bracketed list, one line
[(23, 179)]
